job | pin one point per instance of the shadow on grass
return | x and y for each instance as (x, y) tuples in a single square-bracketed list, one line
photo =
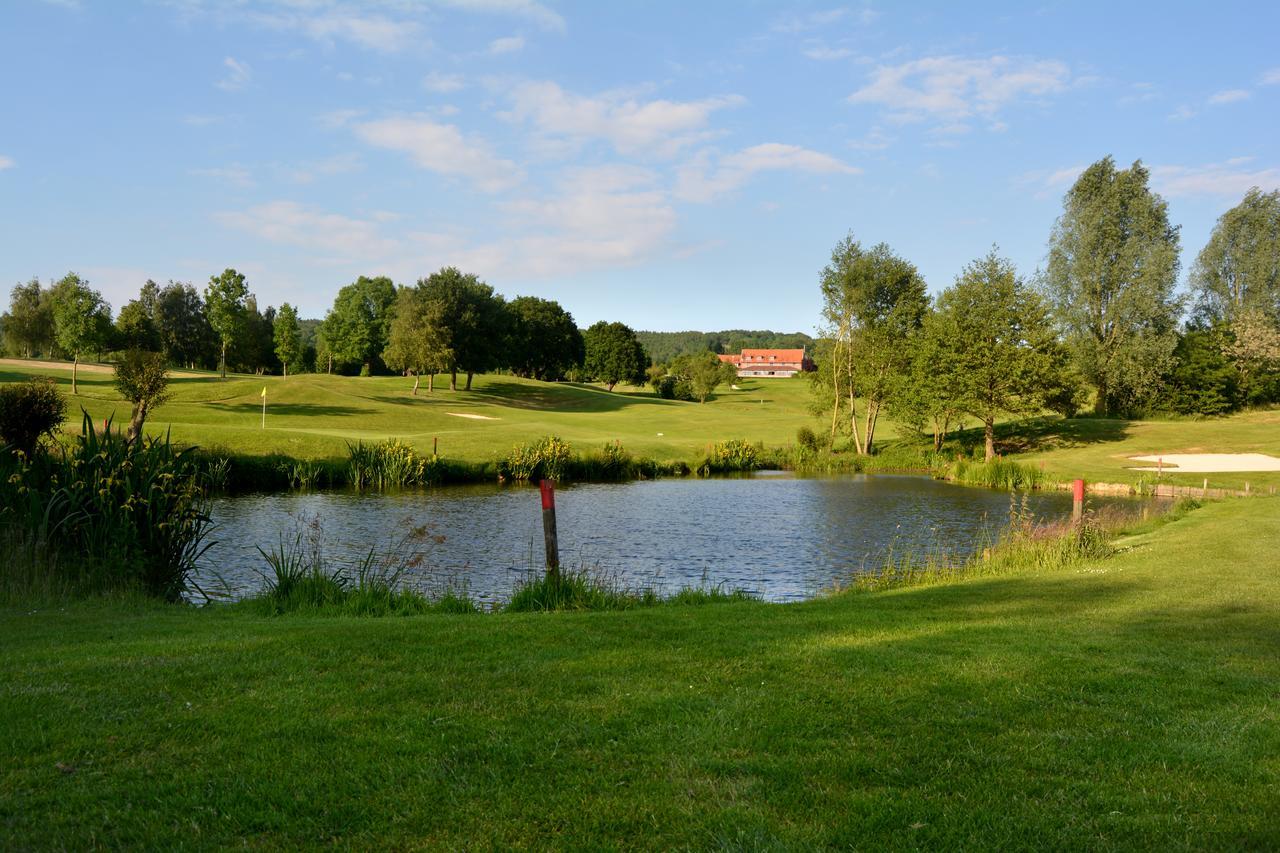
[(563, 397), (301, 409), (1041, 434)]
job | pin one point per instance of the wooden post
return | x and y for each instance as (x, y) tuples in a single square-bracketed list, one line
[(1077, 501), (548, 488), (1204, 490), (435, 446)]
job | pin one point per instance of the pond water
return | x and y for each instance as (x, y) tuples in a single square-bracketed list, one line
[(782, 537)]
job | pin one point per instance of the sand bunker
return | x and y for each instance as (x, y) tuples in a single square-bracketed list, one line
[(1210, 463), (472, 417)]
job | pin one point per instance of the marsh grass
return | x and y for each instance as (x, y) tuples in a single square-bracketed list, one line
[(592, 588), (301, 578)]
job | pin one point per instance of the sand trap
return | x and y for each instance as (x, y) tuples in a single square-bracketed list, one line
[(472, 417), (1211, 463)]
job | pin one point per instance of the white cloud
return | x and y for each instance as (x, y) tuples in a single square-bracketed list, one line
[(1182, 113), (443, 84), (631, 126), (1270, 77), (793, 24), (874, 140), (699, 182), (238, 75), (338, 164), (510, 44), (528, 9), (951, 88), (442, 148), (822, 53), (338, 237), (1229, 96), (6, 163), (1228, 179), (338, 118), (235, 174)]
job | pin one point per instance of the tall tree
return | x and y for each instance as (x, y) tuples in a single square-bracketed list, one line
[(1238, 270), (928, 400), (224, 300), (136, 323), (288, 337), (613, 354), (474, 317), (545, 341), (356, 327), (873, 303), (1113, 266), (1004, 356), (420, 342), (141, 378), (185, 334), (78, 318), (28, 324)]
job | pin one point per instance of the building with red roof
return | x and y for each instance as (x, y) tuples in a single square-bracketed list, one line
[(769, 363)]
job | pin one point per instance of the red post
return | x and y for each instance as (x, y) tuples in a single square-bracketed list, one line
[(1077, 501), (548, 489)]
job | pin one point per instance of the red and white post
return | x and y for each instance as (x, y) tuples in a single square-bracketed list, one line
[(548, 488), (1077, 501)]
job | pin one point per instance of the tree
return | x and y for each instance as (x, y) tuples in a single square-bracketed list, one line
[(356, 327), (224, 300), (1000, 354), (927, 400), (136, 323), (873, 303), (613, 354), (288, 337), (418, 342), (78, 319), (141, 378), (185, 334), (29, 411), (1252, 343), (254, 351), (28, 325), (545, 342), (1203, 381), (1238, 270), (698, 376), (1113, 265), (473, 318)]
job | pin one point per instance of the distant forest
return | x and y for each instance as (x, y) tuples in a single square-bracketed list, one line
[(662, 347)]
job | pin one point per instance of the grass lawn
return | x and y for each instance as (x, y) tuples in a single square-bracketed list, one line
[(1131, 703), (313, 416)]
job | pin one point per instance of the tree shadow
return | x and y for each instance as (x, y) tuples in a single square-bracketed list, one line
[(1042, 434), (563, 397), (303, 409)]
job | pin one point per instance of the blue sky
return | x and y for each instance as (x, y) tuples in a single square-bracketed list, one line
[(673, 166)]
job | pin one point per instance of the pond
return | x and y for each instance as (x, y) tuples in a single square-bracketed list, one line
[(781, 537)]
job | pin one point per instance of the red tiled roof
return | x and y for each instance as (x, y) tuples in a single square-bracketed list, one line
[(730, 358), (796, 355)]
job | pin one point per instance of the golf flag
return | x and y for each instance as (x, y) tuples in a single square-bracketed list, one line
[(264, 406), (264, 392)]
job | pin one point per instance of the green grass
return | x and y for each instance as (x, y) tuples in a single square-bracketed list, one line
[(1128, 702), (315, 416)]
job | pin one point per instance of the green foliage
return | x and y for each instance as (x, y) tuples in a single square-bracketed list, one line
[(1238, 270), (665, 347), (29, 411), (224, 300), (997, 473), (390, 464), (547, 458), (807, 439), (1113, 267), (544, 342), (287, 337), (728, 457), (136, 325), (613, 354), (81, 319), (357, 327), (586, 589), (186, 337), (29, 324), (1203, 381), (106, 514), (141, 378), (873, 304), (420, 340)]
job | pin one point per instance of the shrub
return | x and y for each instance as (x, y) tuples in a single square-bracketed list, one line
[(545, 459), (390, 464), (730, 456), (143, 379), (806, 438), (30, 411)]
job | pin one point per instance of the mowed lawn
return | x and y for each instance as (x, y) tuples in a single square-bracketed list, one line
[(314, 416), (1129, 703)]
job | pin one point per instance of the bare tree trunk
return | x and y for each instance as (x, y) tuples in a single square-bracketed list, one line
[(870, 434), (468, 385), (989, 432), (136, 420), (416, 380), (453, 378), (223, 360), (431, 381), (75, 370), (285, 366)]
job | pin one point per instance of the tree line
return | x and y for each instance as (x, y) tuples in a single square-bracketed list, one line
[(447, 323), (1104, 321)]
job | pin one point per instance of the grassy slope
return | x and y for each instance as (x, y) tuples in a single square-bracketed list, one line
[(1132, 703), (312, 416)]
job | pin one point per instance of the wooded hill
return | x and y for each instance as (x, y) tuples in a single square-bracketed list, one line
[(662, 347)]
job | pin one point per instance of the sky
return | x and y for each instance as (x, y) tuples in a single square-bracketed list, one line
[(685, 165)]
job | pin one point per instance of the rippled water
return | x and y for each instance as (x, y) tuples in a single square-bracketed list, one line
[(782, 537)]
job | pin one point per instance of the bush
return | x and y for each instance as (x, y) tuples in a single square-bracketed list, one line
[(390, 464), (545, 459), (143, 379), (30, 411), (730, 456), (806, 438)]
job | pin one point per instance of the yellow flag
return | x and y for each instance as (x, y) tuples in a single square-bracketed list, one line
[(264, 392)]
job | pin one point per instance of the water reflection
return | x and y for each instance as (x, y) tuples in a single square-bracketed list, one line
[(782, 537)]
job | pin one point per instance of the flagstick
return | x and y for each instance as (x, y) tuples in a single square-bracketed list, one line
[(264, 408)]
